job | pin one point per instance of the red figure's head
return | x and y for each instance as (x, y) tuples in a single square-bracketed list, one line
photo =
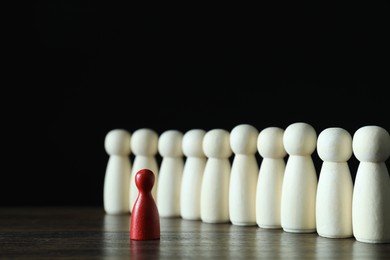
[(144, 180)]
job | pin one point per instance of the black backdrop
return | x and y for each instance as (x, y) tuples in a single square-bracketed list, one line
[(91, 67)]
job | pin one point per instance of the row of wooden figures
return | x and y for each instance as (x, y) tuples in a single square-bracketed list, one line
[(197, 181)]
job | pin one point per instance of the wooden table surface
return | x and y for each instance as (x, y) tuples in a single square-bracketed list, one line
[(89, 233)]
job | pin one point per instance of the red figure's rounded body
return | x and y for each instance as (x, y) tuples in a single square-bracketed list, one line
[(145, 218)]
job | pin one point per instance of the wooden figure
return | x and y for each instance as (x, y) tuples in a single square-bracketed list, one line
[(335, 185), (243, 175), (144, 142), (192, 174), (298, 206), (214, 197), (270, 179), (170, 173), (145, 218), (371, 194), (117, 177)]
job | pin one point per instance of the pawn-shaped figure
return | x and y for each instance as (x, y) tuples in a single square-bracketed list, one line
[(243, 175), (214, 197), (145, 219), (170, 174), (335, 185), (144, 143), (117, 176), (270, 179), (298, 208), (192, 174), (371, 194)]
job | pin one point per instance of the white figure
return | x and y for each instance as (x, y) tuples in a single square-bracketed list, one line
[(117, 176), (371, 194), (243, 175), (335, 185), (144, 142), (214, 197), (192, 174), (170, 173), (270, 179), (298, 206)]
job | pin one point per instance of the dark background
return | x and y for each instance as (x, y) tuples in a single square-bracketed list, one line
[(88, 67)]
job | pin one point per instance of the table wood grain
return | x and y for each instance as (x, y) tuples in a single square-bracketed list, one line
[(89, 233)]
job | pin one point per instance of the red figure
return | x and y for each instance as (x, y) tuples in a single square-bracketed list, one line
[(145, 219)]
